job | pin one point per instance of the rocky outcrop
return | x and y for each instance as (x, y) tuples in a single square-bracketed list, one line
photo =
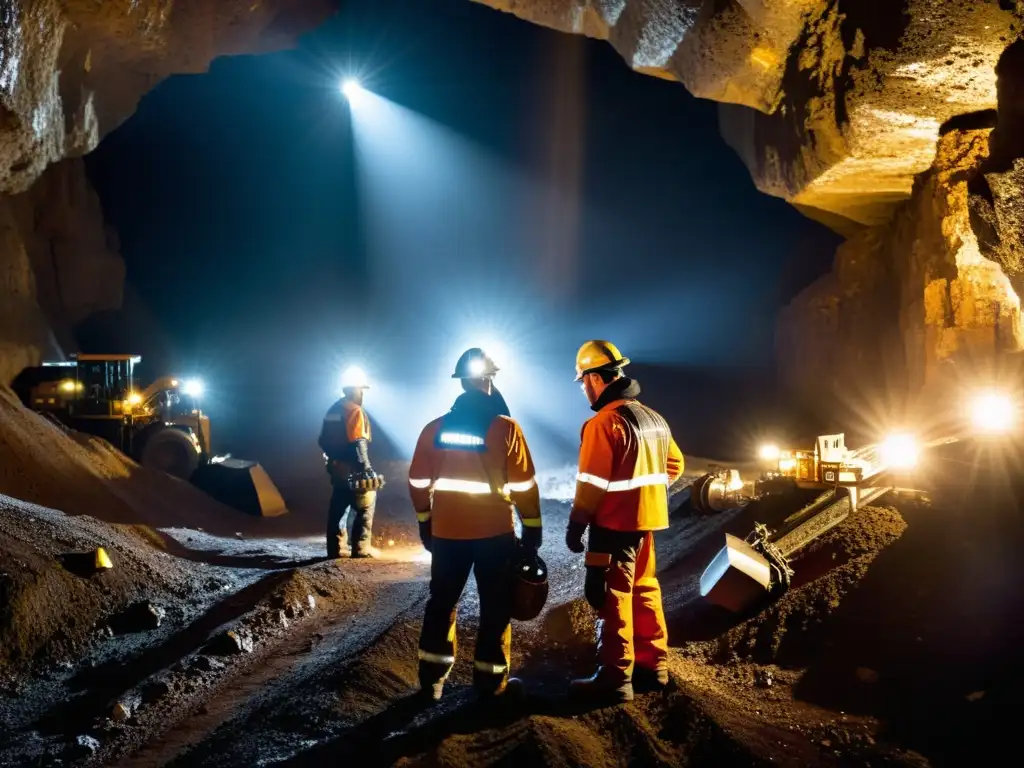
[(938, 285), (834, 105), (905, 300), (60, 265), (70, 71)]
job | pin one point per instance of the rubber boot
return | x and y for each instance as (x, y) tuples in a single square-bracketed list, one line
[(601, 687), (650, 679)]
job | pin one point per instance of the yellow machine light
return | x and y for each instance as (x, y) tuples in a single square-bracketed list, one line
[(67, 386), (134, 398), (993, 412), (900, 451), (769, 452)]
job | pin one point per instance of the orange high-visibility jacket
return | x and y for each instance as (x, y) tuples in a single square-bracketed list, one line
[(467, 486), (627, 461), (344, 424)]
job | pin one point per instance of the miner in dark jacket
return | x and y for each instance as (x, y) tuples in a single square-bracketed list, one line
[(345, 440)]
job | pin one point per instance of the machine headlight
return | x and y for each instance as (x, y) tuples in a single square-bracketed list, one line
[(193, 388), (900, 451), (769, 452), (993, 412), (67, 386)]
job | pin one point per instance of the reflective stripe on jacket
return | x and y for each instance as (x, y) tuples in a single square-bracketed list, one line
[(467, 485), (627, 461)]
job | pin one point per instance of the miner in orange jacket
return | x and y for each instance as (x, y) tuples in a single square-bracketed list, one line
[(345, 439), (470, 473), (628, 459)]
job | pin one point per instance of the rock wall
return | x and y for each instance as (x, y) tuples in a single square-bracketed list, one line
[(931, 299), (834, 105), (900, 124), (60, 264), (71, 71)]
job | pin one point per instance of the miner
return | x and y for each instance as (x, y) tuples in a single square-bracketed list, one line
[(627, 461), (470, 470), (345, 441)]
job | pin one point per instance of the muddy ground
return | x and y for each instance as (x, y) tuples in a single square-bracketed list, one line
[(896, 644)]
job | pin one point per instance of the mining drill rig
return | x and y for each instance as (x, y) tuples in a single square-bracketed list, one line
[(747, 569), (161, 426)]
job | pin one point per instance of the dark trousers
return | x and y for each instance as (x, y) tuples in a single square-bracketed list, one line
[(362, 505), (491, 562)]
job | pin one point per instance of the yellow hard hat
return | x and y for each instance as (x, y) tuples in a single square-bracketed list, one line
[(597, 354)]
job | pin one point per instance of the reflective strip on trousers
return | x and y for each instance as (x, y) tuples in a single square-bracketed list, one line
[(418, 483), (489, 668), (623, 485), (436, 658)]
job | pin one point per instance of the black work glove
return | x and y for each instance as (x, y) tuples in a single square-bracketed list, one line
[(574, 536), (594, 588), (531, 539), (425, 536)]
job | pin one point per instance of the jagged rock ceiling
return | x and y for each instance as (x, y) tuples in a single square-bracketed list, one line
[(71, 70), (834, 105)]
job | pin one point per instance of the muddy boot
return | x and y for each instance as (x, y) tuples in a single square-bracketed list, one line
[(650, 679), (366, 551), (601, 687)]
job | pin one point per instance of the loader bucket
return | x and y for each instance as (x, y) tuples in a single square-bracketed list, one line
[(241, 484), (737, 577)]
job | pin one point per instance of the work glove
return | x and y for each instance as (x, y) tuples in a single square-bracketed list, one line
[(426, 537), (531, 539), (367, 480), (595, 586), (574, 536)]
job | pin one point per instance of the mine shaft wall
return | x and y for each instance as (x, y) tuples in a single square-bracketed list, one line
[(70, 72)]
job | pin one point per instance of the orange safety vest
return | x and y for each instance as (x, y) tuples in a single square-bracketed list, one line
[(344, 424), (627, 461), (468, 485)]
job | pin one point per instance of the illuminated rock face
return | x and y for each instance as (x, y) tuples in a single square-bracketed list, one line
[(834, 105), (906, 299), (875, 118), (71, 71)]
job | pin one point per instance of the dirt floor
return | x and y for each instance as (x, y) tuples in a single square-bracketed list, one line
[(222, 640)]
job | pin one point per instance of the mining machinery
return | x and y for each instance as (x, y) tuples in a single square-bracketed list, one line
[(161, 426)]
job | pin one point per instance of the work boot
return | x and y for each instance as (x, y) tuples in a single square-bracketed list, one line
[(645, 679), (602, 687), (367, 551)]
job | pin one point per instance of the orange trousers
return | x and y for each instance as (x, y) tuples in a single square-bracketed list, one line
[(623, 586)]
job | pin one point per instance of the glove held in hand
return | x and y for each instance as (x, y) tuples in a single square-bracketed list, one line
[(574, 536)]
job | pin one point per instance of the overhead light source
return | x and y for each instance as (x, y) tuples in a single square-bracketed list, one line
[(476, 366), (769, 452), (352, 89), (193, 388)]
